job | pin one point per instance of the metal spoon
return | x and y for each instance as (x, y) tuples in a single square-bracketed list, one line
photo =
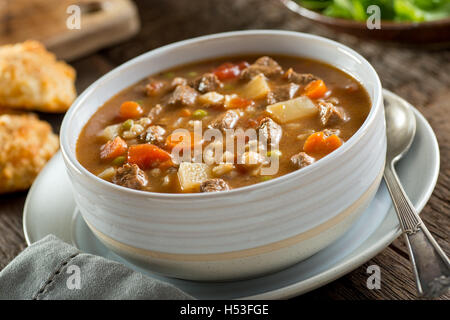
[(430, 264)]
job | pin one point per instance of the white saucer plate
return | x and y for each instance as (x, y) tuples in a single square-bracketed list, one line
[(50, 209)]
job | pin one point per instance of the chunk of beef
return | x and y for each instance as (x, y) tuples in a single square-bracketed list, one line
[(251, 162), (206, 83), (264, 65), (154, 112), (330, 114), (130, 176), (226, 121), (299, 78), (330, 132), (178, 81), (183, 96), (270, 131), (301, 160), (282, 93), (153, 135), (214, 185), (155, 87)]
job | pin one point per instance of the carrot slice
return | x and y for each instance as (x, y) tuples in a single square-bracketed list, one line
[(130, 110), (166, 165), (182, 140), (237, 103), (113, 149), (317, 143), (315, 89), (147, 155), (185, 112)]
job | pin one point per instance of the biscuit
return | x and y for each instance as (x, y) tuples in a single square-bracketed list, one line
[(31, 78), (26, 144)]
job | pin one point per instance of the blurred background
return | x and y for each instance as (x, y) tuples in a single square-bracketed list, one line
[(114, 31)]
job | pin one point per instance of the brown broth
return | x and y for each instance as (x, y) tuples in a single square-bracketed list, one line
[(352, 97)]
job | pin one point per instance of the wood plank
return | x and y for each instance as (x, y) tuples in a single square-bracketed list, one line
[(396, 282), (12, 240), (102, 23)]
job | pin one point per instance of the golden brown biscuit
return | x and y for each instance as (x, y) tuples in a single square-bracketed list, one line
[(26, 144), (31, 78)]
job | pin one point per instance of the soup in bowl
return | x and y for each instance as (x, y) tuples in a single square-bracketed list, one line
[(227, 156), (222, 124)]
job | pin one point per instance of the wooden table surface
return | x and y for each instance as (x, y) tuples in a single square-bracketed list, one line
[(420, 75)]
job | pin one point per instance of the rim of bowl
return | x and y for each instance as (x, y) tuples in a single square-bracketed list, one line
[(355, 24), (76, 165)]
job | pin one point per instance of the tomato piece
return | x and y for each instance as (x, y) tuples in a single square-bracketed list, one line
[(147, 155), (228, 70), (317, 143), (113, 149), (130, 110), (243, 65)]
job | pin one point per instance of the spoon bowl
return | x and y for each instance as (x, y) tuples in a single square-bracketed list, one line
[(400, 129)]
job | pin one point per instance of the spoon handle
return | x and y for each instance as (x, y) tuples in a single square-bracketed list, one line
[(430, 264)]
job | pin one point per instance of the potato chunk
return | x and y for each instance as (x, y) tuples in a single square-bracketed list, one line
[(257, 88), (294, 109), (191, 175), (110, 132), (211, 98)]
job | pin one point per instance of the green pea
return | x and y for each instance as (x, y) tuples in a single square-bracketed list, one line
[(274, 153), (266, 178), (127, 124), (140, 102), (228, 86), (200, 113), (169, 75), (118, 161), (192, 74)]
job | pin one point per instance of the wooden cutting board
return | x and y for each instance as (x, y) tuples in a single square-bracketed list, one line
[(101, 23)]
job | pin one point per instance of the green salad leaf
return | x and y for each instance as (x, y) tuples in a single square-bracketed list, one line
[(396, 10)]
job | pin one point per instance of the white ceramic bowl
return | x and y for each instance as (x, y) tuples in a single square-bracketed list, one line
[(243, 232)]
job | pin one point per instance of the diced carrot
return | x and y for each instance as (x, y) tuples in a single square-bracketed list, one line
[(185, 112), (237, 103), (130, 110), (182, 140), (113, 149), (252, 123), (147, 155), (317, 143), (154, 88), (315, 89), (166, 165)]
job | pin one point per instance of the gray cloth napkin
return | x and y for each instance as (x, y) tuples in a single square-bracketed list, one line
[(52, 269)]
